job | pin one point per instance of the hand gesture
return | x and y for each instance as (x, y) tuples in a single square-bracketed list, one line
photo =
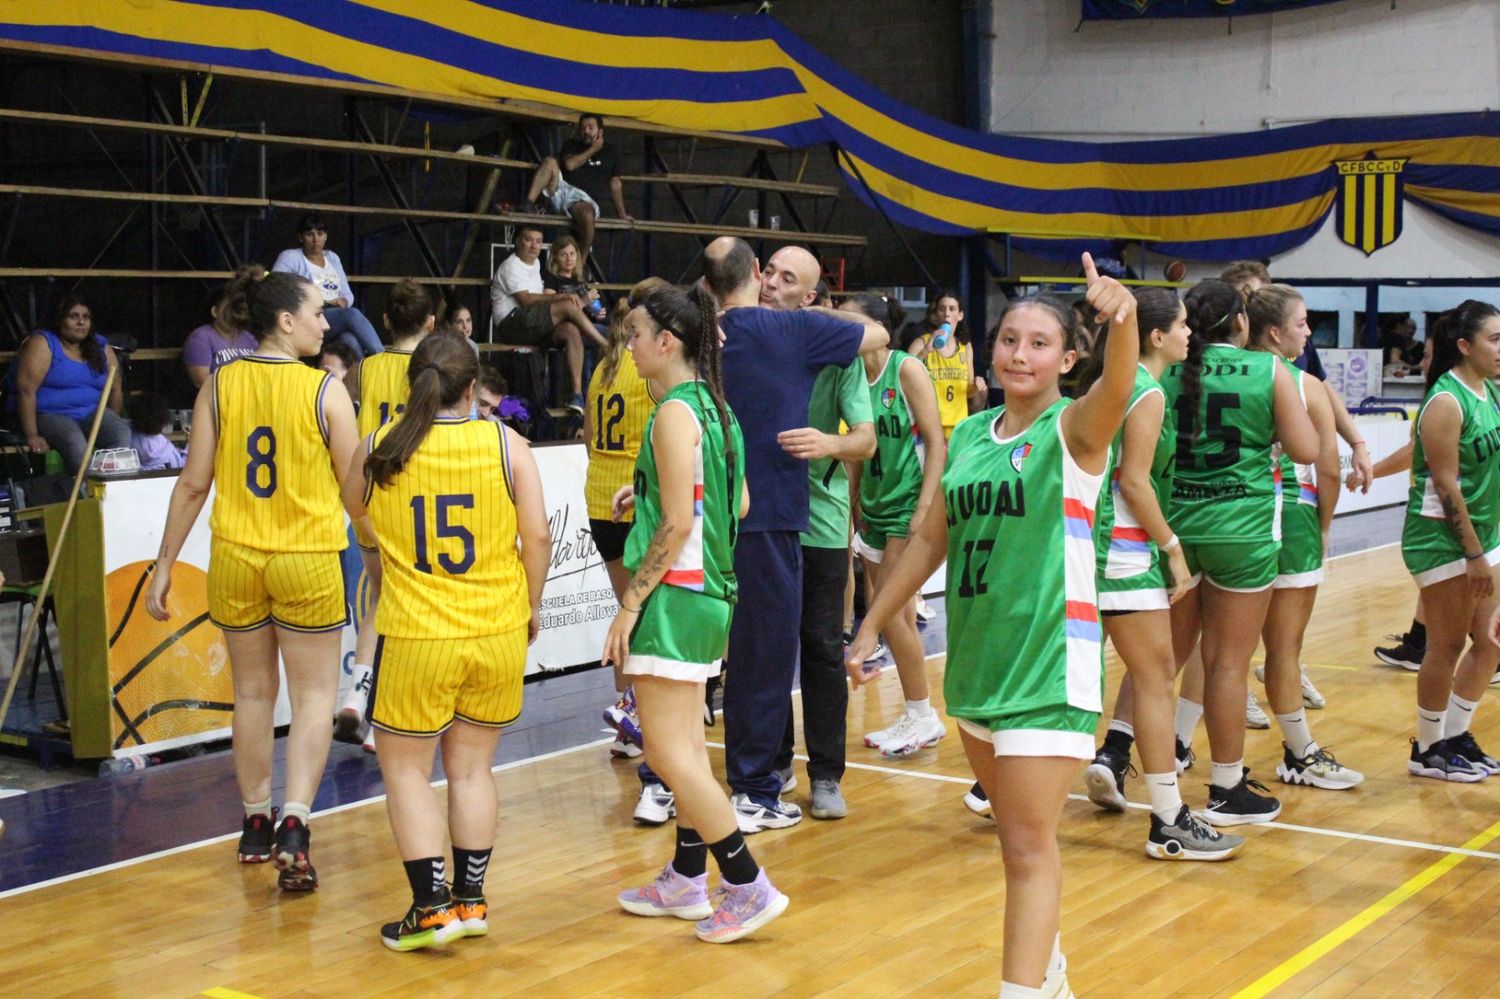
[(623, 501), (1361, 471), (806, 443), (1481, 582), (859, 671), (37, 444), (1111, 300), (617, 642), (157, 593), (1181, 578)]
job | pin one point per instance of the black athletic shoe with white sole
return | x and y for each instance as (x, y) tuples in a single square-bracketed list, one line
[(1188, 839), (1402, 655), (1185, 758), (1465, 746), (1240, 805), (1439, 762), (1105, 778)]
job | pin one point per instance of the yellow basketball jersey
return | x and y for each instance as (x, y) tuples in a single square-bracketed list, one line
[(619, 412), (447, 531), (275, 487), (383, 389), (950, 375)]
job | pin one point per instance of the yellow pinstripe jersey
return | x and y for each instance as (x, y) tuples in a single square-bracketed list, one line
[(950, 375), (275, 487), (383, 388), (619, 412), (447, 531)]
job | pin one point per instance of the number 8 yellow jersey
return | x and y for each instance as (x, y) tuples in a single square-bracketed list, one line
[(274, 484), (618, 412), (447, 531)]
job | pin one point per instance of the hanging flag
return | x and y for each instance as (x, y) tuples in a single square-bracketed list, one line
[(1369, 202)]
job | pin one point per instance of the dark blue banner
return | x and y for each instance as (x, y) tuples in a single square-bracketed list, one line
[(1127, 10)]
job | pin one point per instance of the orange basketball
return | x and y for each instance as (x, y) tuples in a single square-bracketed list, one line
[(169, 678)]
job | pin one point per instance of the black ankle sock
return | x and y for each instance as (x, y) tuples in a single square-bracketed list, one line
[(735, 862), (691, 858), (427, 878), (1417, 636), (1119, 741), (469, 867)]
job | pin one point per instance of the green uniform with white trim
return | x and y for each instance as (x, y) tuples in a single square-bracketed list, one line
[(891, 481), (1024, 641), (838, 395), (685, 620), (1132, 572), (1300, 561), (1430, 548), (1226, 504)]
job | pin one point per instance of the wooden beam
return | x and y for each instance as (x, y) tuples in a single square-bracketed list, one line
[(120, 272), (751, 183)]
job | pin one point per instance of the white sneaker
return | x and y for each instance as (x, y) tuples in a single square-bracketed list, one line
[(622, 750), (754, 817), (1317, 769), (1311, 698), (912, 734), (1255, 716), (976, 802), (656, 807), (875, 738), (349, 719), (369, 742), (924, 612)]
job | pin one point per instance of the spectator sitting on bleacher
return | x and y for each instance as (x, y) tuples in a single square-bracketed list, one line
[(148, 420), (55, 382), (322, 267), (527, 314), (564, 275), (458, 319), (336, 358), (575, 180), (214, 344)]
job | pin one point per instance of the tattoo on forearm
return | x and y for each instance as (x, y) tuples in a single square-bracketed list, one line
[(654, 564), (1456, 521)]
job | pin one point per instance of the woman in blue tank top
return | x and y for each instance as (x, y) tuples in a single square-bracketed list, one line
[(58, 376)]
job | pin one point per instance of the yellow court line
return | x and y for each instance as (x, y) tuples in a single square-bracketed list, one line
[(1345, 669), (220, 992), (1300, 961)]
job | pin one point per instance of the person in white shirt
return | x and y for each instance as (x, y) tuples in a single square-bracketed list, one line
[(322, 267), (526, 314)]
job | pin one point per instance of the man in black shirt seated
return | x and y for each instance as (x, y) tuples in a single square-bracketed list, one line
[(575, 180)]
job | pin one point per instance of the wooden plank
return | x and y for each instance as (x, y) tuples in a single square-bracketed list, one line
[(749, 183), (122, 272), (40, 191)]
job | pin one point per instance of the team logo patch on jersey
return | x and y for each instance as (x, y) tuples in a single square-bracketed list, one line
[(1018, 455), (888, 398)]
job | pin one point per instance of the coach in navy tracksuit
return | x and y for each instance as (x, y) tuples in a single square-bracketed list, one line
[(771, 359)]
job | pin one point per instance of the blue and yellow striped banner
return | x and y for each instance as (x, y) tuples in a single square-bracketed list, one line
[(1250, 195)]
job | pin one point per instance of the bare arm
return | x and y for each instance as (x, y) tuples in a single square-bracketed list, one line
[(1137, 452), (197, 374), (921, 395), (1441, 427), (810, 444), (1396, 462), (617, 195), (351, 379), (1294, 428), (578, 159), (1362, 472), (531, 522), (32, 364), (532, 297), (1089, 425), (925, 551), (918, 348), (1320, 409), (188, 496), (117, 390)]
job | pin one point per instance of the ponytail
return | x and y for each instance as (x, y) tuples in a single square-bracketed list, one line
[(1463, 322), (1212, 307), (693, 317), (1155, 309), (619, 335), (1269, 305), (441, 369), (269, 295)]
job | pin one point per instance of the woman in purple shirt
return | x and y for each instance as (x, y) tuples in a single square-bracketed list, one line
[(214, 344)]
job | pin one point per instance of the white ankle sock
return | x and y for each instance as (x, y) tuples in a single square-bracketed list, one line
[(1227, 775), (1460, 716), (1117, 725), (257, 807), (1429, 728), (1010, 990), (1188, 716), (1295, 733), (1058, 963), (919, 709), (295, 810), (1166, 797)]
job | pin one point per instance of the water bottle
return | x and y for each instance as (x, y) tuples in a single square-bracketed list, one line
[(596, 310), (122, 765), (940, 336)]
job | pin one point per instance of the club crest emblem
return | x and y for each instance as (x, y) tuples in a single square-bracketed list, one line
[(1018, 455), (888, 398)]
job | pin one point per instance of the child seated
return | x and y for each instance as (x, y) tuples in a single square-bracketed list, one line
[(148, 418)]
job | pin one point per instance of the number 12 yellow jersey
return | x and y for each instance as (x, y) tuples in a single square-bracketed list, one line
[(446, 526), (383, 388)]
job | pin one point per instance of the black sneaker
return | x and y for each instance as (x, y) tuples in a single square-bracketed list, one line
[(1441, 763), (1188, 839), (429, 925), (1465, 746), (1402, 655), (976, 801), (293, 842), (1185, 758), (1105, 778), (1240, 805), (256, 838)]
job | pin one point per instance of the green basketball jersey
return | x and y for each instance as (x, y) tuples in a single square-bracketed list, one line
[(838, 395), (1427, 540), (1225, 487), (706, 562), (1299, 483), (1124, 547), (1023, 617), (892, 480)]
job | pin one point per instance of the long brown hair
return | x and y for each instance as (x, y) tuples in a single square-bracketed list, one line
[(88, 348), (619, 335), (442, 367), (693, 317)]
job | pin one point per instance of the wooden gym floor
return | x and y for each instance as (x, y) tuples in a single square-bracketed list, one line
[(1391, 889)]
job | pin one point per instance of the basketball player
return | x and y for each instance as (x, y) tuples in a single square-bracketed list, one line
[(895, 489), (379, 383), (456, 507), (271, 437), (950, 364), (673, 624), (1226, 511), (1025, 663), (1309, 492), (1451, 539)]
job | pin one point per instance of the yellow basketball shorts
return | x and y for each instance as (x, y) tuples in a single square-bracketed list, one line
[(422, 685), (249, 588)]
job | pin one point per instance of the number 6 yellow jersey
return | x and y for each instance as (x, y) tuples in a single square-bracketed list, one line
[(618, 413), (275, 487)]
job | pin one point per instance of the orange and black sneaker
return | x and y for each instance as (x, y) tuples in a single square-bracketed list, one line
[(257, 837), (472, 911), (430, 925), (293, 845)]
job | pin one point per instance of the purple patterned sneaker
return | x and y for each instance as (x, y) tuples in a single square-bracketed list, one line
[(744, 909), (623, 718), (670, 894)]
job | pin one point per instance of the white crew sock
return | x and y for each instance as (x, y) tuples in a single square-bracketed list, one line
[(1166, 798), (1227, 775), (1010, 990), (1058, 963), (1188, 716), (1295, 733), (295, 810), (1429, 728), (257, 807), (919, 709), (1460, 716), (1116, 725)]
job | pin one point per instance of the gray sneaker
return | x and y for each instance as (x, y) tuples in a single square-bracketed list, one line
[(828, 800), (1189, 839), (788, 780)]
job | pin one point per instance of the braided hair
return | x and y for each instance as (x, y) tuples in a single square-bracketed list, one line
[(692, 315), (1212, 308)]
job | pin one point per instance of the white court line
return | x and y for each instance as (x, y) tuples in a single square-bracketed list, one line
[(347, 806), (1315, 830)]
